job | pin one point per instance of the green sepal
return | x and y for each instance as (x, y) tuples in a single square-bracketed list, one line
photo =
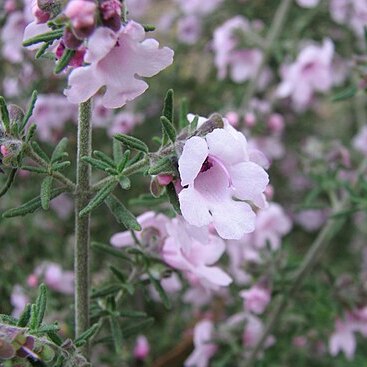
[(122, 214), (46, 187), (173, 197), (168, 128), (132, 142), (99, 198)]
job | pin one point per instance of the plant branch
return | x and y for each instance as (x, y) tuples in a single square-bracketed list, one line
[(82, 225)]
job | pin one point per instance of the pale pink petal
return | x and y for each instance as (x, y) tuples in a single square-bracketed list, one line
[(102, 41), (193, 156), (214, 275)]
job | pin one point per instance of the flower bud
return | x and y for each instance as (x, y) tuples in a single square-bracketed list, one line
[(70, 40), (111, 14)]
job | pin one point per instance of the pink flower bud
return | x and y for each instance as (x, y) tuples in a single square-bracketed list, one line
[(32, 281), (269, 192), (164, 180), (4, 150), (81, 13), (250, 119), (40, 15), (276, 123), (232, 118), (10, 5), (142, 347)]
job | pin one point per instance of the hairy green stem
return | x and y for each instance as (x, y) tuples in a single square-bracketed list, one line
[(82, 225), (271, 39)]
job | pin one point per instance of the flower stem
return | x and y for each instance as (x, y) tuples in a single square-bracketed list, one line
[(82, 225), (271, 38)]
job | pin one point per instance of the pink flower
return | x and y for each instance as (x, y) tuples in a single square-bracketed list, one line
[(137, 8), (124, 122), (189, 29), (194, 251), (141, 348), (214, 170), (115, 59), (204, 348), (242, 63), (343, 339), (271, 225), (350, 12), (256, 298), (310, 73), (308, 3), (153, 231)]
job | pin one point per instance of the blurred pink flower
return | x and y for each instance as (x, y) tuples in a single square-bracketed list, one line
[(137, 8), (204, 349), (311, 72), (214, 170), (243, 63), (311, 219), (18, 299), (141, 348), (343, 340), (153, 232), (124, 122), (63, 206), (352, 13), (194, 251), (189, 29), (198, 7), (256, 298), (114, 61)]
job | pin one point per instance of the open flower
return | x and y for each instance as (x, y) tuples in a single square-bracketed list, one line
[(114, 61), (219, 180), (194, 251), (204, 349)]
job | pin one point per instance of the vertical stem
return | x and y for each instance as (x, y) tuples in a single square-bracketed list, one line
[(271, 39), (82, 225)]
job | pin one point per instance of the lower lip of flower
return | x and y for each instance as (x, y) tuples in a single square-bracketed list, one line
[(210, 161)]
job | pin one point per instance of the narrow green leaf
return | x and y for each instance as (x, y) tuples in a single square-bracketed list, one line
[(60, 166), (64, 60), (32, 205), (162, 293), (137, 327), (124, 159), (125, 183), (106, 291), (118, 274), (96, 163), (34, 318), (194, 123), (131, 314), (29, 112), (164, 165), (25, 316), (86, 335), (105, 158), (184, 110), (168, 128), (4, 114), (345, 94), (173, 198), (108, 249), (46, 192), (41, 51), (59, 151), (168, 107), (99, 198), (34, 169), (116, 333), (41, 303), (117, 150), (9, 182), (45, 37), (30, 133), (132, 142), (40, 151), (122, 214)]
